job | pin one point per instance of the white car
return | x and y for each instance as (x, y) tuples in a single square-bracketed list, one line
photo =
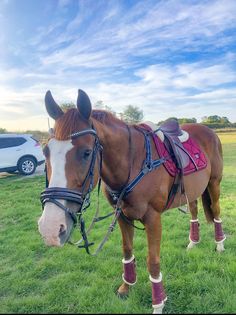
[(20, 152)]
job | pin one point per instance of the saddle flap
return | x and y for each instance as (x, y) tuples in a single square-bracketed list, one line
[(183, 157)]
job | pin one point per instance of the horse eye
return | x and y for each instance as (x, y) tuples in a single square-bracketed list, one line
[(87, 154)]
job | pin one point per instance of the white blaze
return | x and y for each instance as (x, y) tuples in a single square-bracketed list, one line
[(53, 217), (58, 151)]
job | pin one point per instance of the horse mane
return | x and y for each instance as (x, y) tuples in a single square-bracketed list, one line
[(69, 122), (105, 117)]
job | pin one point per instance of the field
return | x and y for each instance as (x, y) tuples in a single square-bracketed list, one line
[(38, 279)]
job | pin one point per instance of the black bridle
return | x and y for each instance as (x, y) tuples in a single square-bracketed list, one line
[(81, 198)]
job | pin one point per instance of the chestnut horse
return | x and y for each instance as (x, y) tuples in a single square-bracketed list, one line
[(87, 144)]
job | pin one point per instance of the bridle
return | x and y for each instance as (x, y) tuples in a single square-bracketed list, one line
[(82, 197)]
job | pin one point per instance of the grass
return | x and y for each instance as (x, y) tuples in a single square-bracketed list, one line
[(38, 279)]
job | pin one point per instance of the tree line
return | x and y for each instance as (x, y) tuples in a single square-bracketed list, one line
[(133, 115)]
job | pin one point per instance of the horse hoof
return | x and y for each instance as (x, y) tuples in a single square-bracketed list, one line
[(191, 245), (158, 310), (220, 247), (123, 291), (122, 295)]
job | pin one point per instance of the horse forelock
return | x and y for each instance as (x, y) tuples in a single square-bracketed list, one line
[(67, 124)]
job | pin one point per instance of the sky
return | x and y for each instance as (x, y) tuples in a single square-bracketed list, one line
[(170, 58)]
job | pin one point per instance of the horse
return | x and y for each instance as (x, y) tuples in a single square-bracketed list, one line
[(90, 145)]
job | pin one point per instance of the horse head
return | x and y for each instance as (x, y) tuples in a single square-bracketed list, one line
[(72, 165)]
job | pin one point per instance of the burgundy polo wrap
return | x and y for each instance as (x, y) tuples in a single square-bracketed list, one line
[(194, 231), (158, 292), (129, 267), (219, 234)]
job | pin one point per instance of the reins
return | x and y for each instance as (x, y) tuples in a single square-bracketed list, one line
[(82, 198), (117, 209)]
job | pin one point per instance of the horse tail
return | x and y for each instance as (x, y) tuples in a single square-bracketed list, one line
[(206, 202)]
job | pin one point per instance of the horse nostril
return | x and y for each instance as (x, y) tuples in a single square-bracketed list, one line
[(62, 229)]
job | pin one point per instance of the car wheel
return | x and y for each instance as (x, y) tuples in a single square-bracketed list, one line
[(27, 166)]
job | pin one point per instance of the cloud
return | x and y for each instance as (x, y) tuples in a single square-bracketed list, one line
[(183, 76), (117, 35), (168, 57)]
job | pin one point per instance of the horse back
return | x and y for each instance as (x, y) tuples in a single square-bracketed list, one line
[(206, 138)]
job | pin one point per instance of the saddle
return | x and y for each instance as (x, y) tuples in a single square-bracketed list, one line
[(171, 127), (172, 135), (182, 153)]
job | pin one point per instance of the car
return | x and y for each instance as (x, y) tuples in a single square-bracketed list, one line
[(20, 152)]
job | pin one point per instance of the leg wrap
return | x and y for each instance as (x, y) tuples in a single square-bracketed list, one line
[(219, 234), (194, 231), (158, 293), (129, 267)]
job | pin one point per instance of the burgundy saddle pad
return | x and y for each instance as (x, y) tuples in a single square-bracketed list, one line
[(193, 149)]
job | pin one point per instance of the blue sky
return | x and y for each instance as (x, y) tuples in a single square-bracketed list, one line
[(169, 58)]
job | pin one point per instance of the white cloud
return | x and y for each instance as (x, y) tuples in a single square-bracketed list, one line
[(122, 57)]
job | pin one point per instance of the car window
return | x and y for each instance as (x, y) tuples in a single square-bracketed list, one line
[(11, 142)]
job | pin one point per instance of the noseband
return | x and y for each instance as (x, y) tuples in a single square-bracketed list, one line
[(81, 198)]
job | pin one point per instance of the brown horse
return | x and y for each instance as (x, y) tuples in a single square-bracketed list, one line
[(73, 159)]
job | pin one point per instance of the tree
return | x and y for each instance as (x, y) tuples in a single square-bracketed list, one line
[(187, 120), (224, 120), (3, 130), (101, 105), (216, 121), (132, 114), (66, 106)]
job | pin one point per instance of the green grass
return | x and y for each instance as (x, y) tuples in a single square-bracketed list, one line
[(38, 279)]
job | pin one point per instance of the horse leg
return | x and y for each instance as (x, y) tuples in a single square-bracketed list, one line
[(214, 192), (152, 222), (194, 225), (129, 268)]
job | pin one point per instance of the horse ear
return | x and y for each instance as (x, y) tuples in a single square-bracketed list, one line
[(83, 104), (52, 107)]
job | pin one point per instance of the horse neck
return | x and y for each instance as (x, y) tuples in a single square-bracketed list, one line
[(116, 153)]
